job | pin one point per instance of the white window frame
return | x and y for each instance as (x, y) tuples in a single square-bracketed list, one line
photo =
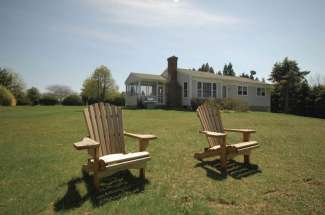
[(209, 92), (185, 90), (214, 90), (242, 90), (199, 89), (262, 89)]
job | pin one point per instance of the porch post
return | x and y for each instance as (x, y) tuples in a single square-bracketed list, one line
[(139, 90), (189, 90), (157, 91)]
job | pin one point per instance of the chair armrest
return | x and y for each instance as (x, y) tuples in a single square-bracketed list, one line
[(141, 136), (240, 130), (86, 143), (213, 134)]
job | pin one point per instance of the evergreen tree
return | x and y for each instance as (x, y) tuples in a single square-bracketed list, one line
[(244, 75), (206, 68), (252, 74), (228, 70), (287, 78), (211, 70)]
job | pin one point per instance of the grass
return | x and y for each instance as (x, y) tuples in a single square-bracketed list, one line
[(40, 170)]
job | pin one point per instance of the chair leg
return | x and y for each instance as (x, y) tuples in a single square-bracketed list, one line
[(223, 160), (246, 159), (142, 173), (96, 181)]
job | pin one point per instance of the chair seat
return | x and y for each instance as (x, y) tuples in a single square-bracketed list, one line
[(119, 157), (236, 146), (243, 145)]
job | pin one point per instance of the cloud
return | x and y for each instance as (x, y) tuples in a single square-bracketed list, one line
[(94, 34), (160, 13)]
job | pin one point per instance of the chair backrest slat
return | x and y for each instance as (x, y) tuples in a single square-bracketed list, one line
[(88, 122), (121, 131), (105, 125), (101, 130), (112, 131), (94, 125), (211, 121)]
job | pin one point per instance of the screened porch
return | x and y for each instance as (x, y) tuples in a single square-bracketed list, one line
[(146, 93)]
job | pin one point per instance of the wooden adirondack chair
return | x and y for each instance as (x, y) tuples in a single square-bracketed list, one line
[(105, 143), (215, 132)]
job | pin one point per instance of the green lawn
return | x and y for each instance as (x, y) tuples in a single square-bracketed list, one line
[(40, 170)]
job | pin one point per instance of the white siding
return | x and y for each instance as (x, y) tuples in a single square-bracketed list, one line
[(181, 78), (232, 91)]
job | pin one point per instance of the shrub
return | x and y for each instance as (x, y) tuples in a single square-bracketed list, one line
[(34, 95), (6, 97), (235, 104), (214, 102), (48, 99), (72, 100), (228, 104), (196, 102), (117, 99), (22, 99)]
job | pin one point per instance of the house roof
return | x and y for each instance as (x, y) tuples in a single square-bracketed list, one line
[(208, 75), (134, 77)]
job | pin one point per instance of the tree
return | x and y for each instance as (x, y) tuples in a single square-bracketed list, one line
[(6, 97), (228, 70), (33, 95), (5, 77), (99, 86), (206, 68), (13, 82), (219, 72), (244, 75), (252, 74), (287, 78), (211, 70), (59, 91)]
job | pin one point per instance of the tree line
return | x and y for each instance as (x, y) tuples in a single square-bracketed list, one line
[(291, 92), (227, 70), (100, 86)]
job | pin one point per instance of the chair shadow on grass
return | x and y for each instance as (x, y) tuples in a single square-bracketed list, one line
[(112, 188), (235, 169)]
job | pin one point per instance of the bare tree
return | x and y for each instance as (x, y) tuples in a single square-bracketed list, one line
[(60, 91)]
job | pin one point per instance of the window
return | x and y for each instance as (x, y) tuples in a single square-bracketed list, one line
[(260, 91), (185, 89), (214, 90), (206, 90), (131, 89), (199, 89), (242, 90), (146, 90), (245, 91)]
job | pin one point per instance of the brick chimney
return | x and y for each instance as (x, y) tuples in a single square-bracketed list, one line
[(172, 68), (174, 90)]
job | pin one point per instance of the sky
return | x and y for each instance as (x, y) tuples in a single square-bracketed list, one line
[(63, 41)]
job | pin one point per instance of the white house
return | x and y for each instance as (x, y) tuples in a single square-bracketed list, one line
[(176, 87)]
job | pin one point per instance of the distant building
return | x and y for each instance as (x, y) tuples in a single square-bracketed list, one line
[(176, 87)]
